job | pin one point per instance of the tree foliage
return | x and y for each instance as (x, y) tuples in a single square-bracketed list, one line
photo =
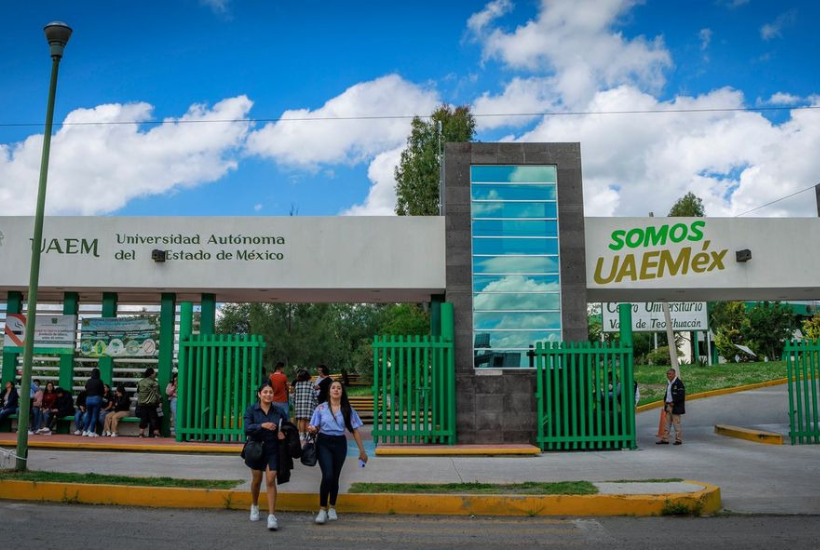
[(689, 205), (811, 327), (767, 327), (417, 175), (306, 335)]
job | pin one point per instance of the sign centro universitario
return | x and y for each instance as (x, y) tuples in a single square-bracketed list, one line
[(649, 317)]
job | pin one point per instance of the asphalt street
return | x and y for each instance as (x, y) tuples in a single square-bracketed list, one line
[(66, 527)]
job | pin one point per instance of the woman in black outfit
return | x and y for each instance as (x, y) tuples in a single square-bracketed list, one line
[(262, 423)]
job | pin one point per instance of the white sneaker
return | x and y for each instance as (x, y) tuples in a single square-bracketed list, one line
[(86, 434), (106, 433), (321, 517), (78, 432), (114, 434), (93, 434), (254, 513), (331, 514), (47, 432), (30, 432), (273, 525)]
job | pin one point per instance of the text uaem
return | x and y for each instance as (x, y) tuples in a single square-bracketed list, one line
[(656, 264)]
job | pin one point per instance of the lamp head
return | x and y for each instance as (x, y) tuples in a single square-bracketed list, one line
[(57, 34)]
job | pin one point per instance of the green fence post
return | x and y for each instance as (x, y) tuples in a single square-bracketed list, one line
[(435, 314), (71, 306), (207, 322), (14, 304), (625, 320), (186, 321), (106, 362), (627, 381), (448, 333), (167, 318)]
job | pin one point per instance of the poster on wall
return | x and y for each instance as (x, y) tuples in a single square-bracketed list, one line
[(648, 316), (119, 337), (52, 333)]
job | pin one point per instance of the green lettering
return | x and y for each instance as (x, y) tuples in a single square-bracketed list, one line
[(89, 247), (656, 235), (678, 238), (617, 239), (71, 246), (631, 240), (696, 228), (54, 245)]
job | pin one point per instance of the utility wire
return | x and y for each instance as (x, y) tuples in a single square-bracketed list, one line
[(404, 117), (777, 200)]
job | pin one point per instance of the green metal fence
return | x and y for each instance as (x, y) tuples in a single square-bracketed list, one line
[(803, 369), (413, 390), (585, 395), (218, 375)]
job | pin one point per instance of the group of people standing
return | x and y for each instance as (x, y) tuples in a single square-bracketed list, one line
[(321, 409)]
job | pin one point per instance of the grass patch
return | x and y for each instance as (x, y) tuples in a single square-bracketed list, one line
[(682, 509), (652, 378), (358, 391), (100, 479), (526, 488)]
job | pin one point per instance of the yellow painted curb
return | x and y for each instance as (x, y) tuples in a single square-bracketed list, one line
[(444, 450), (756, 436), (713, 393), (705, 501), (231, 449)]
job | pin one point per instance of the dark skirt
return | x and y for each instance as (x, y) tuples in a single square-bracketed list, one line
[(270, 458)]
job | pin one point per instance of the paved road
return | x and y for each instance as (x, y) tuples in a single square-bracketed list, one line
[(62, 527)]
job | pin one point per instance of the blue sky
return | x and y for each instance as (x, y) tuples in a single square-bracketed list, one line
[(230, 59)]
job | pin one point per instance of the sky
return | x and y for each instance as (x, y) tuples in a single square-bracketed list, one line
[(265, 108)]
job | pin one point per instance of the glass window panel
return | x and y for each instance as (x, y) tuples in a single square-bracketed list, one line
[(505, 246), (514, 210), (515, 264), (513, 192), (491, 301), (489, 320), (503, 358), (491, 174), (520, 339), (515, 228), (516, 283)]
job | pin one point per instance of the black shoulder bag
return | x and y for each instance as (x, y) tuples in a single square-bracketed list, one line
[(252, 452), (309, 457)]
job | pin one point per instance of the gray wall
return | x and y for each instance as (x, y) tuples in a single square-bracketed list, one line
[(498, 405)]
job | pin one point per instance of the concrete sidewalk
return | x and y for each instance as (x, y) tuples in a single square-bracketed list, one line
[(753, 478)]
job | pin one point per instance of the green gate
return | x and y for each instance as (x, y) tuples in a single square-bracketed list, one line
[(414, 387), (585, 395), (803, 367), (218, 375)]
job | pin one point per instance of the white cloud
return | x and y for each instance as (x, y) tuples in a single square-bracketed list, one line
[(312, 142), (732, 4), (257, 207), (782, 98), (575, 41), (218, 6), (735, 161), (774, 29), (98, 168), (705, 36), (492, 11), (521, 95), (381, 199)]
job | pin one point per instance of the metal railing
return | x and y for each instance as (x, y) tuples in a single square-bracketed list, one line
[(585, 395), (218, 375), (803, 370)]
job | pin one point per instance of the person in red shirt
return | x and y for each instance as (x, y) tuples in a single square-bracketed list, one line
[(279, 383)]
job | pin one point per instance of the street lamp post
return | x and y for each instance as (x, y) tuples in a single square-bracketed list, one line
[(57, 34)]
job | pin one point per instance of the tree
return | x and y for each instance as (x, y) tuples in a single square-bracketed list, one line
[(811, 327), (417, 175), (689, 205), (726, 320), (767, 327)]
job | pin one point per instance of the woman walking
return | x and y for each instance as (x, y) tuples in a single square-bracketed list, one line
[(93, 403), (262, 424), (304, 399), (330, 420)]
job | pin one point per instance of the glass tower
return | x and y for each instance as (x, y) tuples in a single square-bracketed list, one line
[(515, 263)]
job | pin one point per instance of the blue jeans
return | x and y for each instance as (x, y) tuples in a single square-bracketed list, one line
[(101, 419), (78, 419), (36, 419), (92, 412)]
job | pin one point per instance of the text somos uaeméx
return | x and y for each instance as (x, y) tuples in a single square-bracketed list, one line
[(655, 264)]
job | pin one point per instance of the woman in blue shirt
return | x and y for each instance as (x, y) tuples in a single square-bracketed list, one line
[(330, 420), (262, 422)]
